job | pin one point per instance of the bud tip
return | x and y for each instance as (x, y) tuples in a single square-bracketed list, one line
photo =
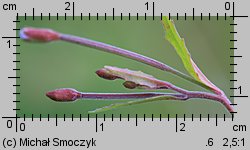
[(64, 94), (38, 34), (103, 73)]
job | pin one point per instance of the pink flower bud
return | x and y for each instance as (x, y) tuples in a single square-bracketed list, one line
[(65, 94), (40, 35)]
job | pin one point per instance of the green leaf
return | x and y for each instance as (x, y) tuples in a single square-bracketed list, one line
[(133, 79), (178, 43), (129, 103)]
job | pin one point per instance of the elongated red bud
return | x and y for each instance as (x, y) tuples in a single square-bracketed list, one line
[(39, 34), (104, 73), (65, 94)]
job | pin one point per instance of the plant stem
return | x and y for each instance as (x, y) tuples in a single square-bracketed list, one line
[(109, 96), (129, 54), (197, 94), (190, 95), (219, 98), (69, 94)]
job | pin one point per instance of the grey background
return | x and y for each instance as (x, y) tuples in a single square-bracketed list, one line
[(125, 135)]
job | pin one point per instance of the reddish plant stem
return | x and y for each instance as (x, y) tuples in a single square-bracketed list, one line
[(219, 98), (197, 94), (183, 97), (127, 95), (69, 94), (128, 54)]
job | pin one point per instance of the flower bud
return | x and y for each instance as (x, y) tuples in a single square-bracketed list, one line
[(104, 73), (130, 85), (38, 34), (65, 94)]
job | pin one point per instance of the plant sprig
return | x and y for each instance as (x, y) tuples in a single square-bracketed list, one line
[(135, 79)]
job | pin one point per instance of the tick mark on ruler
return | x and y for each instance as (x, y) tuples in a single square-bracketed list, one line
[(113, 13), (176, 122), (96, 123), (153, 10), (14, 77), (235, 56), (16, 37), (56, 120), (239, 96), (216, 120), (193, 14), (136, 121), (233, 80), (33, 13), (233, 104), (16, 101)]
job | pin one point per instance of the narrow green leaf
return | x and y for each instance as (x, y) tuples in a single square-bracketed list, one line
[(178, 43), (129, 103)]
